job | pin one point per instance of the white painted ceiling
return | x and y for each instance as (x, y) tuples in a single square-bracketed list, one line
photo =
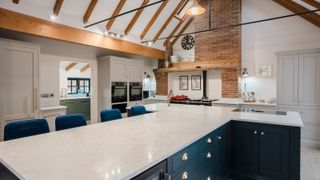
[(72, 12)]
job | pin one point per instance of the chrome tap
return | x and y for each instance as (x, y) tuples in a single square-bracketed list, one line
[(170, 95)]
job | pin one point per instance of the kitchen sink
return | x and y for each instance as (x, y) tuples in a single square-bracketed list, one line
[(250, 110), (6, 174)]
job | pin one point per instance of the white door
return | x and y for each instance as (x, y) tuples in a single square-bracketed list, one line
[(118, 72), (135, 72), (288, 80), (309, 80), (19, 82)]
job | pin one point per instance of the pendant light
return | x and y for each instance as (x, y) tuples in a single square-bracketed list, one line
[(195, 9)]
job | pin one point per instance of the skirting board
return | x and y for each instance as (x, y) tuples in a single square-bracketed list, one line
[(310, 143)]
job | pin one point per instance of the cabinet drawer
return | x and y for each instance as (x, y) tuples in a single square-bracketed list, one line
[(189, 153), (198, 168)]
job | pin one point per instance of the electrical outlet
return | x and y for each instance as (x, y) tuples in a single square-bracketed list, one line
[(51, 95), (45, 95)]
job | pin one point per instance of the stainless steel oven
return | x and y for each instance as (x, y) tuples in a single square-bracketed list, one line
[(119, 92), (135, 91)]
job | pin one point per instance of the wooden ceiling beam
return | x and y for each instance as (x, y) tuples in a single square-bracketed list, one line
[(313, 3), (13, 21), (115, 13), (89, 11), (314, 18), (183, 29), (15, 1), (181, 3), (175, 29), (84, 68), (135, 17), (70, 66), (153, 19), (57, 7)]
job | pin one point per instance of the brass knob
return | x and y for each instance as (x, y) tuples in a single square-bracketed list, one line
[(262, 133), (255, 132), (209, 155), (219, 137), (184, 175), (184, 157), (208, 178), (209, 140)]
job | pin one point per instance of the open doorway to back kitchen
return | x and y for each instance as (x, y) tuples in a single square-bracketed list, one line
[(75, 88)]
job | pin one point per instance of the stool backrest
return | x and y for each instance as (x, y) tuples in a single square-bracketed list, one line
[(70, 121), (110, 114)]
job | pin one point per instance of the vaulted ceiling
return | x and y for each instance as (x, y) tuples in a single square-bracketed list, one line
[(163, 19)]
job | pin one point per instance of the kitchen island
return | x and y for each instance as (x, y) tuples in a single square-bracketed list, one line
[(123, 149)]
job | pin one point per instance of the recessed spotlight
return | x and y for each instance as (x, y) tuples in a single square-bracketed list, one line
[(149, 43), (52, 17), (106, 32)]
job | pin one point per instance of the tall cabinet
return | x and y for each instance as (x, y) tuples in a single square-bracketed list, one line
[(299, 89), (19, 81)]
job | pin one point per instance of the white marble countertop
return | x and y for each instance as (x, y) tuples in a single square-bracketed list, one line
[(236, 101), (121, 149), (70, 98), (52, 108)]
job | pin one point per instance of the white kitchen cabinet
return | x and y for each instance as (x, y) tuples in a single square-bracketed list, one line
[(118, 71), (135, 72), (299, 89), (19, 80), (288, 80)]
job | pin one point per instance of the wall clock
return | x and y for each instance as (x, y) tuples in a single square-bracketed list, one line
[(187, 42)]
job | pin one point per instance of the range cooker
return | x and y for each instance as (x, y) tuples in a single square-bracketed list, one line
[(204, 102)]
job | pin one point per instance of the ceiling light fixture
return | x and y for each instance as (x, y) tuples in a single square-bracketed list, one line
[(52, 17), (195, 9)]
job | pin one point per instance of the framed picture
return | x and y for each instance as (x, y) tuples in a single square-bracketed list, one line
[(264, 71), (196, 82), (183, 82)]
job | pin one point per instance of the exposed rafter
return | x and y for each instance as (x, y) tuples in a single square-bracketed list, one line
[(84, 68), (70, 66), (15, 1), (314, 18), (89, 11), (135, 17), (181, 3), (57, 7), (313, 3), (115, 13), (175, 29), (183, 29), (153, 19), (13, 21)]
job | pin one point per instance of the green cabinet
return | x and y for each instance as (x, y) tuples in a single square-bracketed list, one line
[(77, 106), (265, 151)]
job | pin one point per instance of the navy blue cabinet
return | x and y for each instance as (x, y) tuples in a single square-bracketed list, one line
[(265, 151)]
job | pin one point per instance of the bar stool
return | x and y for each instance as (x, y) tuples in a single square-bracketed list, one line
[(70, 121), (25, 128), (110, 114), (137, 110)]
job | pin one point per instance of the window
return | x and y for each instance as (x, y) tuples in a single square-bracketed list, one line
[(78, 86)]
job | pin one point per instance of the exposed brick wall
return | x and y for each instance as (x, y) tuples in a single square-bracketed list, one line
[(162, 83), (230, 83), (224, 44)]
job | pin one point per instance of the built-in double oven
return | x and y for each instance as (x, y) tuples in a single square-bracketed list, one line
[(135, 91), (119, 92)]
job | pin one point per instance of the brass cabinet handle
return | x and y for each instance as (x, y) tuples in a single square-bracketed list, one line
[(209, 140), (255, 132), (262, 133), (208, 178), (184, 157), (184, 175), (209, 155), (219, 137)]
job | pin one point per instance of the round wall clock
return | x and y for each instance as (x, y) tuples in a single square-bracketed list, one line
[(187, 42)]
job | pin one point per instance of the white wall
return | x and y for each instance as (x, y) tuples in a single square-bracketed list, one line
[(213, 84), (261, 41), (148, 67), (49, 81)]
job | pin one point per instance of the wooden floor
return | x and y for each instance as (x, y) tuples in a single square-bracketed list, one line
[(310, 164)]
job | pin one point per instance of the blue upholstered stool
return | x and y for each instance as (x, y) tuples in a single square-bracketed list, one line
[(25, 128), (70, 121), (110, 114), (137, 110)]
